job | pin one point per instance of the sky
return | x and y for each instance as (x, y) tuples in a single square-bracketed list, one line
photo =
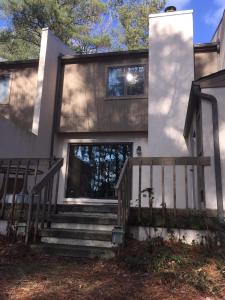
[(207, 15)]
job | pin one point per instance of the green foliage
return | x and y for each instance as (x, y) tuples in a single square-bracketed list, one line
[(86, 26), (72, 21), (133, 15)]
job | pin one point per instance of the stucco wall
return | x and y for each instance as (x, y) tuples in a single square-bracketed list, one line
[(171, 71)]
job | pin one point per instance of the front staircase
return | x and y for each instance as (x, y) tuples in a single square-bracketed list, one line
[(80, 230)]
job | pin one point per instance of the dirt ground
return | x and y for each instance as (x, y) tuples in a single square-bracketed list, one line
[(154, 270)]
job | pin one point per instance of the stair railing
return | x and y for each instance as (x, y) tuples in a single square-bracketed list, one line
[(123, 191), (43, 201)]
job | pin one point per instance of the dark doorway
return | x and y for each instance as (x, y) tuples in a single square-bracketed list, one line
[(94, 169)]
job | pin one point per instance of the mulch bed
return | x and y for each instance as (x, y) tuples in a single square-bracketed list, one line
[(24, 275)]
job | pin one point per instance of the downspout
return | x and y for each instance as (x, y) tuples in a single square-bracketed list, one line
[(216, 144)]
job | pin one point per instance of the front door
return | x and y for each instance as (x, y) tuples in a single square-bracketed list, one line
[(94, 169)]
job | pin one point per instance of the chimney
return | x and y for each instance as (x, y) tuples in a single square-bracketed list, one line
[(171, 71)]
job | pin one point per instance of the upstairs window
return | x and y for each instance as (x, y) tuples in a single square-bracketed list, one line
[(4, 88), (126, 81)]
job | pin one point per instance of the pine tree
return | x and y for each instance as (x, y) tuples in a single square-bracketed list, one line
[(133, 16), (73, 21)]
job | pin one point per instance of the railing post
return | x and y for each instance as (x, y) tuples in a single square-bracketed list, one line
[(36, 222), (163, 191), (5, 188), (174, 192), (50, 185), (56, 191), (14, 192), (186, 187), (29, 218), (139, 190)]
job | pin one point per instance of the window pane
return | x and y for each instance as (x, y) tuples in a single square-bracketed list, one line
[(135, 80), (4, 88), (116, 82), (94, 169)]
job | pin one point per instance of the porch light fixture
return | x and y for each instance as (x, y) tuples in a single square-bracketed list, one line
[(170, 9), (139, 151), (117, 235)]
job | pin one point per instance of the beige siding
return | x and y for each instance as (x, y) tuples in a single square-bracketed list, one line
[(85, 108), (23, 88), (205, 64)]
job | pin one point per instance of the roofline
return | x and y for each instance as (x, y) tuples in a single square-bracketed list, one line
[(198, 48), (207, 47), (19, 63), (133, 53), (218, 26), (212, 75)]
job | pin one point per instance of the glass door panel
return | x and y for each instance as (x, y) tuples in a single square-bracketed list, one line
[(94, 169)]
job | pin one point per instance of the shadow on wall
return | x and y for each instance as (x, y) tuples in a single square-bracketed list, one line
[(171, 75), (23, 92), (84, 107)]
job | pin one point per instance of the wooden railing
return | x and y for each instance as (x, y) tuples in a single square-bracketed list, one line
[(123, 191), (44, 192), (124, 184), (27, 186)]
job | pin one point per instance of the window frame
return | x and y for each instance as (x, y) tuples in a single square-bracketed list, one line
[(8, 74), (126, 66)]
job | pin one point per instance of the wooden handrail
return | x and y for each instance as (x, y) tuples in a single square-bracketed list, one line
[(39, 186), (122, 174), (170, 161)]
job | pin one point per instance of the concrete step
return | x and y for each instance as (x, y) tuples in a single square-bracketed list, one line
[(91, 208), (75, 226), (85, 218), (74, 251), (77, 242), (80, 234)]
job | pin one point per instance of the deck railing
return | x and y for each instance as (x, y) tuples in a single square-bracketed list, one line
[(124, 185), (27, 188)]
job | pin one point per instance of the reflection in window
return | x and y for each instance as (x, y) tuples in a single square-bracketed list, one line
[(116, 82), (135, 80), (4, 88), (125, 81), (94, 169)]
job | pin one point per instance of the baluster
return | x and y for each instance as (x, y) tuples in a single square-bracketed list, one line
[(50, 185), (56, 191), (186, 186), (14, 192), (5, 188), (119, 206), (44, 206), (36, 172), (174, 191), (163, 191), (139, 191), (36, 222), (24, 189), (151, 195), (29, 218)]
